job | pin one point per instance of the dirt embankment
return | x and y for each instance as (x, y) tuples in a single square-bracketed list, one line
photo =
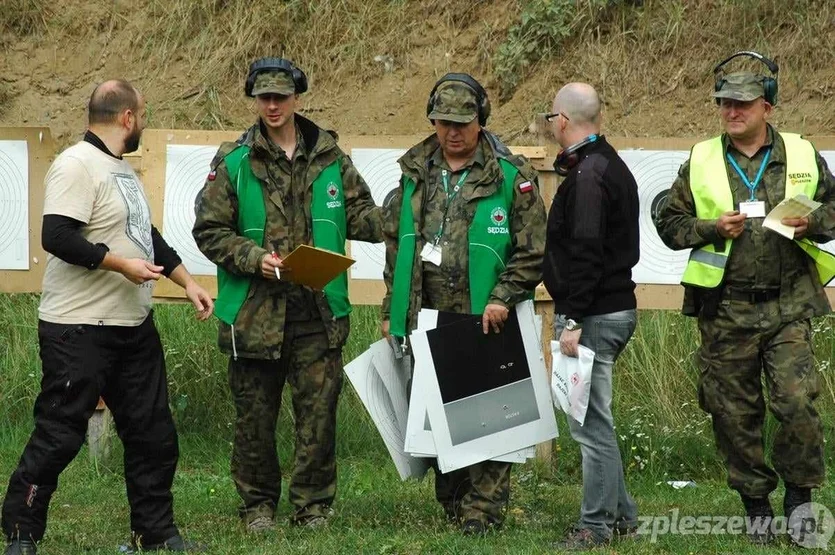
[(372, 63)]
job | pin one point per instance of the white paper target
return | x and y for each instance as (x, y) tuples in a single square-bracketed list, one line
[(655, 171), (379, 168), (186, 168), (14, 205)]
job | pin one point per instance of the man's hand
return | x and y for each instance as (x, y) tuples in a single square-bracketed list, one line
[(800, 226), (494, 316), (269, 263), (730, 224), (138, 270), (385, 329), (201, 300), (569, 341)]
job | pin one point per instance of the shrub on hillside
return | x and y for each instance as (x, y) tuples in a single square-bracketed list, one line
[(542, 27)]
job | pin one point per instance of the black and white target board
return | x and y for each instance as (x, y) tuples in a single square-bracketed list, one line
[(379, 168), (14, 205), (655, 171), (186, 169)]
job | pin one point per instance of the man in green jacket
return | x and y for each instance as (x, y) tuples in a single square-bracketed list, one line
[(283, 184), (754, 291), (465, 233)]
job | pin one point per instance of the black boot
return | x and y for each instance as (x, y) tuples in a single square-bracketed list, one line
[(21, 547), (798, 511), (174, 543), (758, 518)]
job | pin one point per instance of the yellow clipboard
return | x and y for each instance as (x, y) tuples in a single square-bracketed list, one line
[(314, 267)]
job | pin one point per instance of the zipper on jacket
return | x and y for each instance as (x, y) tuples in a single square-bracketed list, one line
[(234, 347)]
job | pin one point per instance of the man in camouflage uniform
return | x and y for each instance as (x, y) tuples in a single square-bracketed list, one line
[(754, 291), (283, 184), (447, 181)]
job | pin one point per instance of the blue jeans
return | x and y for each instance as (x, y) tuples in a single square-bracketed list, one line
[(605, 499)]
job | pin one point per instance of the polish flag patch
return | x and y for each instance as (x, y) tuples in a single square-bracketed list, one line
[(526, 187), (212, 175)]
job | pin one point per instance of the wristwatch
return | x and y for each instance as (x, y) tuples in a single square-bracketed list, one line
[(572, 325)]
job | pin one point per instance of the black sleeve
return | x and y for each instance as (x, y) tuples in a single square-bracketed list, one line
[(61, 236), (164, 254), (586, 209)]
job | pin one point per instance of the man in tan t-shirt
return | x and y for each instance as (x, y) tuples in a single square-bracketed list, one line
[(96, 330)]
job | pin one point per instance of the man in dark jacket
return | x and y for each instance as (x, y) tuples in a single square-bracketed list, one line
[(591, 247), (283, 184)]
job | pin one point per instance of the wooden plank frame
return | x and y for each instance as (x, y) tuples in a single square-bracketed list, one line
[(149, 162)]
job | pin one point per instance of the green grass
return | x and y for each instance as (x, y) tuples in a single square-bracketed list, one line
[(374, 513), (663, 435)]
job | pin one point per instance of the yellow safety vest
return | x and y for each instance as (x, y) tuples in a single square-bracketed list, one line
[(712, 195)]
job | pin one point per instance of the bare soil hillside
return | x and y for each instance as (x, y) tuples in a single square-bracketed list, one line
[(651, 61)]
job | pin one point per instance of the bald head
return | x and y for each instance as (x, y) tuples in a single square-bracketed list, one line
[(580, 103), (110, 99)]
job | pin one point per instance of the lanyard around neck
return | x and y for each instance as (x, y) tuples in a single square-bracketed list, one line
[(752, 187), (445, 179), (449, 198)]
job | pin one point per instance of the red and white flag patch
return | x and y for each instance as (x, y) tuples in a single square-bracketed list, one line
[(212, 175), (525, 187)]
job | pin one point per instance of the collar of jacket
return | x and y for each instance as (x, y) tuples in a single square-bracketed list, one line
[(415, 164), (778, 149), (317, 141), (320, 146)]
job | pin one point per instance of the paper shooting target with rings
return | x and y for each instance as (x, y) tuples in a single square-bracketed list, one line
[(655, 171), (379, 168), (186, 170), (14, 205)]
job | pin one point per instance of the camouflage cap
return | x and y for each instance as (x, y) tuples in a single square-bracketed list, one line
[(743, 86), (273, 82), (454, 101)]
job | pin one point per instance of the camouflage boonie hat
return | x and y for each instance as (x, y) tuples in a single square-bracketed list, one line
[(273, 82), (454, 101), (743, 86)]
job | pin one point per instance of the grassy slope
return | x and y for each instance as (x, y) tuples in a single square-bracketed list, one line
[(652, 64)]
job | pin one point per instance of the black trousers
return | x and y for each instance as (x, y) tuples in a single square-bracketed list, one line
[(126, 367)]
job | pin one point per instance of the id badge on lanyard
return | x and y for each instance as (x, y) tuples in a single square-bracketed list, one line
[(432, 252), (752, 208)]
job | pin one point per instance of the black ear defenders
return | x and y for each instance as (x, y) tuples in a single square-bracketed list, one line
[(769, 83), (275, 64), (481, 95), (570, 157)]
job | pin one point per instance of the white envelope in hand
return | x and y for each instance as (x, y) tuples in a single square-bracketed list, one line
[(571, 380)]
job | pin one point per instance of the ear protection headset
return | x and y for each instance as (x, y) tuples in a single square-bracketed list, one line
[(570, 157), (275, 64), (769, 83), (481, 95)]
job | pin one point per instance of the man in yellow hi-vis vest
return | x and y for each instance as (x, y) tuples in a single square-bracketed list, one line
[(754, 291)]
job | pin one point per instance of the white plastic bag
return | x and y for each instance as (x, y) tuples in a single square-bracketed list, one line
[(571, 380)]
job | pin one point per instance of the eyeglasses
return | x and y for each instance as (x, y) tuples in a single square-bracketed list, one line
[(550, 117)]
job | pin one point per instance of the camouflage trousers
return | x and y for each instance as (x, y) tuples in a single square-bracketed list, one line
[(479, 492), (744, 345), (314, 373)]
